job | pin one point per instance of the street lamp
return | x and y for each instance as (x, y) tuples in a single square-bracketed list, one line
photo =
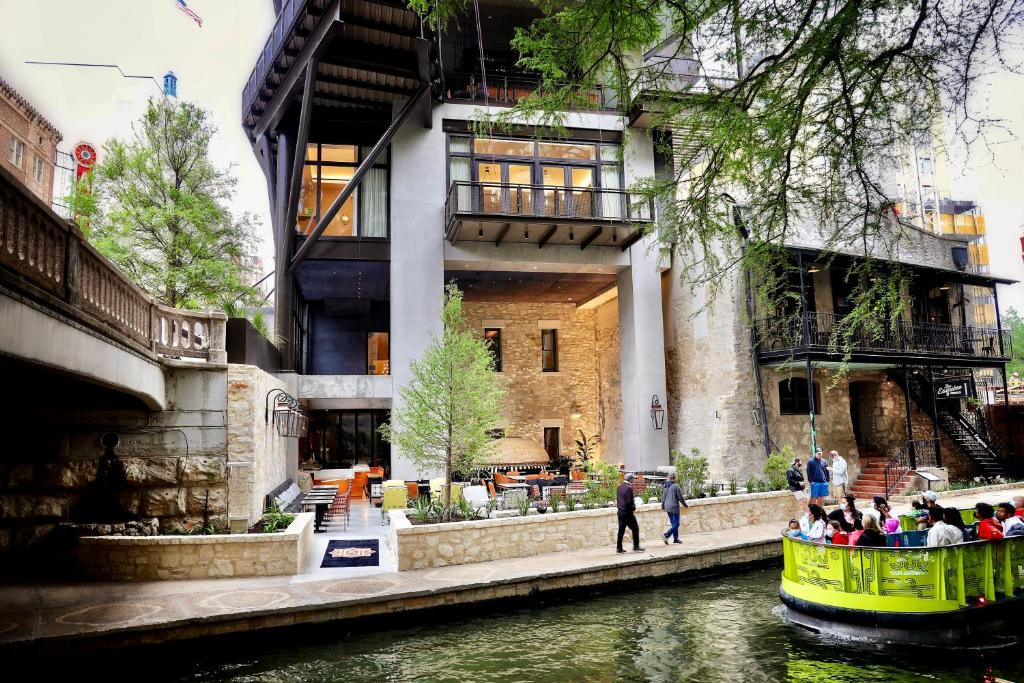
[(657, 413)]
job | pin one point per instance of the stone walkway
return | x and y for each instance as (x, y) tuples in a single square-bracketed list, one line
[(46, 618)]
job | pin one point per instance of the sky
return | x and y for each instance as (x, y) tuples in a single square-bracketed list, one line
[(147, 37), (213, 62)]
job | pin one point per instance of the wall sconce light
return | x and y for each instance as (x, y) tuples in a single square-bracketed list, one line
[(288, 415), (657, 413)]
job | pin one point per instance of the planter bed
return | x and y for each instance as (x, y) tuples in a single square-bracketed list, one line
[(158, 558), (466, 542)]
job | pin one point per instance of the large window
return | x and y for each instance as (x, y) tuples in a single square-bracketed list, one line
[(793, 398), (549, 350), (492, 337), (504, 167), (37, 169), (326, 174)]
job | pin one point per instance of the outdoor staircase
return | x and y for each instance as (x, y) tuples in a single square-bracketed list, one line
[(972, 433), (871, 481)]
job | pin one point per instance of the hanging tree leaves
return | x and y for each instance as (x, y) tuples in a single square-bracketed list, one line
[(795, 110)]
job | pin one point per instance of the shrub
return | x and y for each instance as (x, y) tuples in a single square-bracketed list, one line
[(602, 490), (523, 506), (553, 500), (775, 468), (570, 503), (692, 473), (733, 485)]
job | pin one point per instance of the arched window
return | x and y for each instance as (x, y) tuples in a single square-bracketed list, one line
[(793, 397)]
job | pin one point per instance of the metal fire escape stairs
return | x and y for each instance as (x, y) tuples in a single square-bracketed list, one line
[(973, 434)]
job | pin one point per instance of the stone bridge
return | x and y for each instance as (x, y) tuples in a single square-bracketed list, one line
[(65, 307)]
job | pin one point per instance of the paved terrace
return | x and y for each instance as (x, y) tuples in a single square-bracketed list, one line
[(50, 618)]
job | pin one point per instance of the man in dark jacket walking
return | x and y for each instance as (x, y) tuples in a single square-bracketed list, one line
[(626, 504)]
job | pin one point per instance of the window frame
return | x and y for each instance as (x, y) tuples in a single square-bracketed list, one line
[(544, 334), (384, 161), (796, 402), (535, 161), (17, 148), (494, 348), (38, 169)]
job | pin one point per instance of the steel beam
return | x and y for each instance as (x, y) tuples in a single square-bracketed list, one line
[(272, 115), (357, 177), (548, 235), (594, 234), (301, 138), (501, 235)]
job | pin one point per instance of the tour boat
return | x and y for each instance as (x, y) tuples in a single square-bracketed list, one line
[(947, 596)]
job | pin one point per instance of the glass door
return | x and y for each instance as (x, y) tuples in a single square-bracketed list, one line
[(519, 178), (582, 198), (489, 175)]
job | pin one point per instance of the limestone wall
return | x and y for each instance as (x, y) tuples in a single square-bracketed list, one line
[(439, 545), (609, 382), (537, 399), (257, 454), (174, 461), (711, 396), (162, 558)]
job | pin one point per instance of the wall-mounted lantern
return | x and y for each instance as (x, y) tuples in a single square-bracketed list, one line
[(289, 417), (657, 413)]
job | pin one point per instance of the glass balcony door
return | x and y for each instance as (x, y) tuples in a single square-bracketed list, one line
[(571, 192), (504, 187)]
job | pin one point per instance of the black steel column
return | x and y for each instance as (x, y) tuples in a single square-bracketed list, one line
[(284, 324), (935, 417), (1006, 399), (805, 326), (910, 424)]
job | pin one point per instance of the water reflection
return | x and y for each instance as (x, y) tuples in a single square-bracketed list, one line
[(715, 630)]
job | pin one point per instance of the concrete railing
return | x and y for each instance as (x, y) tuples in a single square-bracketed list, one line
[(50, 260)]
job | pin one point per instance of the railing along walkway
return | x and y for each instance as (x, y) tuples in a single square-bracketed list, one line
[(50, 260), (547, 202)]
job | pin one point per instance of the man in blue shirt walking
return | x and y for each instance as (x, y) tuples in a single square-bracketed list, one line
[(817, 475)]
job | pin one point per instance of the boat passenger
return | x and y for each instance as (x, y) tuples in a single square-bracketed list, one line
[(890, 523), (840, 517), (812, 524), (851, 512), (793, 531), (989, 528), (838, 537), (952, 517), (941, 533), (872, 536), (1012, 524), (1018, 503), (858, 529)]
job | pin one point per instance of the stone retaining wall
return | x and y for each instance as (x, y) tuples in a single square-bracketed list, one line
[(159, 558), (439, 545)]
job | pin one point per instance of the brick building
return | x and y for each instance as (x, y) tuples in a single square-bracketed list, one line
[(28, 142)]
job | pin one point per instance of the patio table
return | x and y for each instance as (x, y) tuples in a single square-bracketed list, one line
[(319, 501)]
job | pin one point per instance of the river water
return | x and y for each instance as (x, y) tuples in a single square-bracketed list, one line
[(722, 629)]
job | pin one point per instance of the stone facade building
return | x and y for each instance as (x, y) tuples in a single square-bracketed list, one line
[(28, 142), (383, 189)]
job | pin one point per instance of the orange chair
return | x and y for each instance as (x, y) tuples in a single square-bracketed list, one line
[(490, 489), (513, 473), (412, 490), (577, 475), (502, 479), (533, 477), (359, 481), (377, 471)]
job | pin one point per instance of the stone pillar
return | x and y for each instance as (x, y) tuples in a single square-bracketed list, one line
[(417, 256), (642, 357)]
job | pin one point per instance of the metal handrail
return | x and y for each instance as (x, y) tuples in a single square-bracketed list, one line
[(547, 201), (911, 456), (823, 330), (290, 9)]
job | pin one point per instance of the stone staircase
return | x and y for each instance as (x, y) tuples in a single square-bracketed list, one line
[(871, 481)]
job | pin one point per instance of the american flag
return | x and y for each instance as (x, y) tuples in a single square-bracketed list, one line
[(185, 8)]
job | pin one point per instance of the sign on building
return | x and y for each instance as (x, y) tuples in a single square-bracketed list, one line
[(953, 388)]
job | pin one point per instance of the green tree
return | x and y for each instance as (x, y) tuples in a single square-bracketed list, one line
[(452, 402), (1013, 322), (787, 115), (156, 206)]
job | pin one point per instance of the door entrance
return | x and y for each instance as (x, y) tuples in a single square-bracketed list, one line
[(855, 403)]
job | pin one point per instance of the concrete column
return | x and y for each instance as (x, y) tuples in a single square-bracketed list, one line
[(417, 256), (642, 357)]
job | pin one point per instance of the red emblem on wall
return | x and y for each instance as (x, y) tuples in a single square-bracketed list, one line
[(85, 157)]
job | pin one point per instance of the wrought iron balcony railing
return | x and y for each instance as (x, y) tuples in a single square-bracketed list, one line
[(544, 202), (820, 332)]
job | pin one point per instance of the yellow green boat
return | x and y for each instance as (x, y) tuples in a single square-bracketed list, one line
[(936, 596)]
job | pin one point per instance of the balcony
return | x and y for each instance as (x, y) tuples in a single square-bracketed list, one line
[(813, 333), (542, 214)]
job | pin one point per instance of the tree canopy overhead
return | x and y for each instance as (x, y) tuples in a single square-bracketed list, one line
[(156, 207), (794, 109)]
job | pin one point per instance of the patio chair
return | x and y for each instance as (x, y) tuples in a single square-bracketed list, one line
[(576, 488), (412, 490), (500, 478), (534, 492), (394, 497), (577, 475), (476, 496), (339, 508)]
